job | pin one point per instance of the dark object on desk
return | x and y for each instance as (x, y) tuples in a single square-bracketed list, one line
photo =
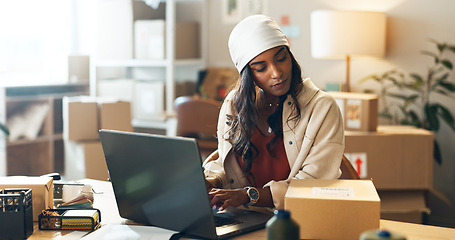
[(158, 180), (282, 227), (69, 219), (54, 176), (381, 235), (16, 213)]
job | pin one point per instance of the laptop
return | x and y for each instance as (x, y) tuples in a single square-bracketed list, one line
[(158, 180)]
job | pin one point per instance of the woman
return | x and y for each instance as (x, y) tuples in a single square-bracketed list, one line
[(273, 126)]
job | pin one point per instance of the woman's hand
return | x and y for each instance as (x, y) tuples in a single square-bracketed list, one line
[(212, 183), (223, 198)]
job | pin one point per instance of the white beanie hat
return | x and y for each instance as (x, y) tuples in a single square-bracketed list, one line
[(252, 36)]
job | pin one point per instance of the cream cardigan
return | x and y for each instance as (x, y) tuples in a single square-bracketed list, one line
[(314, 144)]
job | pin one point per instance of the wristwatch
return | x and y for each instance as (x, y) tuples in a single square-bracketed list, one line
[(253, 194)]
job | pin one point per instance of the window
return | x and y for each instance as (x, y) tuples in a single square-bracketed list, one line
[(34, 42)]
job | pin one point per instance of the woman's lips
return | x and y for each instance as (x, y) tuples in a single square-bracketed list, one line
[(279, 84)]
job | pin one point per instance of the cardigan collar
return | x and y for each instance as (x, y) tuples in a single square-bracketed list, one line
[(309, 90)]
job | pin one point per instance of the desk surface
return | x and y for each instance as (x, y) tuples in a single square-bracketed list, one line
[(105, 201)]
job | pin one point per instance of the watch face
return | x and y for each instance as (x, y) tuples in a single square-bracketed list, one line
[(253, 193)]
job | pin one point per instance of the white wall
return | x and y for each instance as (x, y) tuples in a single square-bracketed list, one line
[(410, 24)]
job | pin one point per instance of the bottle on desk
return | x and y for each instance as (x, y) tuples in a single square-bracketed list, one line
[(380, 234), (282, 227)]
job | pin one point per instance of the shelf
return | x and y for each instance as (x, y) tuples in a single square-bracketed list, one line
[(169, 124), (44, 154), (172, 65), (146, 63), (44, 138)]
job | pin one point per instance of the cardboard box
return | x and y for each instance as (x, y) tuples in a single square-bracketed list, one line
[(150, 39), (42, 191), (333, 209), (115, 115), (217, 82), (404, 206), (80, 118), (395, 157), (85, 159), (359, 110), (83, 116)]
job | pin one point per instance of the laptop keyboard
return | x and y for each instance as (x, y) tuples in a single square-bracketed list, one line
[(224, 222)]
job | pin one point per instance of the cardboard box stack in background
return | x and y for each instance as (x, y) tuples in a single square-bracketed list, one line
[(82, 118), (333, 209), (42, 191), (150, 39), (399, 160), (359, 110)]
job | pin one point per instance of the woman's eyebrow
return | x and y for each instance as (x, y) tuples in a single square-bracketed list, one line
[(253, 63), (259, 62), (281, 49)]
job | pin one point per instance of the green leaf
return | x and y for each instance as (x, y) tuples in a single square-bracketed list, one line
[(447, 64), (439, 80), (446, 115), (416, 77), (369, 91), (447, 85), (437, 152), (4, 129), (385, 115), (431, 117), (428, 53), (441, 91), (395, 82), (452, 48), (406, 99), (441, 46), (415, 121), (410, 86), (366, 78)]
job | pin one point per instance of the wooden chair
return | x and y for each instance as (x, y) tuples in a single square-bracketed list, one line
[(347, 170), (198, 118)]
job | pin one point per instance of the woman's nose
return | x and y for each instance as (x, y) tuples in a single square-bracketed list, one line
[(276, 71)]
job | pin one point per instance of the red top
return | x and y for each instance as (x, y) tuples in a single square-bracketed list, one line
[(265, 167)]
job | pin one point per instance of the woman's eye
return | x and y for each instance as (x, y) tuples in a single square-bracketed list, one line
[(260, 69), (281, 59)]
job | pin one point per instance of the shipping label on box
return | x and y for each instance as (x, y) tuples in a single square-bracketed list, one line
[(322, 207), (42, 191), (359, 162), (359, 110), (396, 157)]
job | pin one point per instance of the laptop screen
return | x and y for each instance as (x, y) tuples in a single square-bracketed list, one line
[(158, 180)]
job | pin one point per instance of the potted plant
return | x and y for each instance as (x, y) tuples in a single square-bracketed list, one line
[(4, 129), (418, 93)]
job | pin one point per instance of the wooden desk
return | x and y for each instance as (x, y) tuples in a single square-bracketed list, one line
[(105, 201)]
